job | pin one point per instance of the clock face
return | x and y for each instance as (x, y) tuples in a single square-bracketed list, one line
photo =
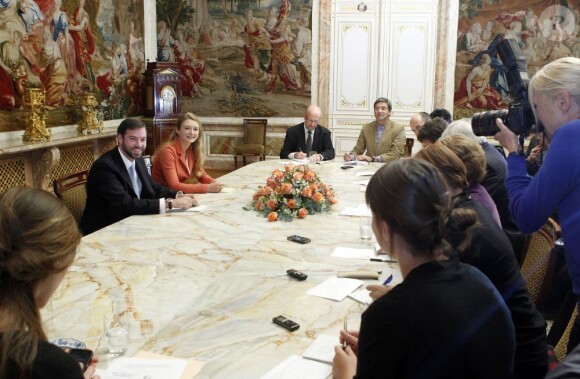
[(167, 93)]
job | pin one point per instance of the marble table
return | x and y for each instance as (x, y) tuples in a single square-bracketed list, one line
[(207, 285)]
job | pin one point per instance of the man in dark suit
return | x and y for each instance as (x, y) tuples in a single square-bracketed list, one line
[(308, 137), (119, 185)]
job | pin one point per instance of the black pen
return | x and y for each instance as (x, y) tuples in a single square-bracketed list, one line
[(383, 260)]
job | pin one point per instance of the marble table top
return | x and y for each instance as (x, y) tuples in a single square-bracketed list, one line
[(207, 285)]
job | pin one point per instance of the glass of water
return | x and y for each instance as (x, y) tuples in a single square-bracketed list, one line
[(365, 228), (117, 335)]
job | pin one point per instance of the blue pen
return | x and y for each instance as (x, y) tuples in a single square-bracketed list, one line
[(388, 280)]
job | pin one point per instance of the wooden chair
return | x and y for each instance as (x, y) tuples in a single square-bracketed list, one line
[(539, 263), (409, 146), (254, 140), (561, 347), (71, 189)]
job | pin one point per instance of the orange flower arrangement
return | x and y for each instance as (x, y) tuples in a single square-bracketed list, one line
[(295, 191)]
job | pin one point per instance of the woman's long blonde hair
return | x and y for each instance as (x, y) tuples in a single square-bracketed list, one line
[(196, 147), (38, 238)]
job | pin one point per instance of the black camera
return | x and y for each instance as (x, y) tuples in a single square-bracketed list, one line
[(519, 117)]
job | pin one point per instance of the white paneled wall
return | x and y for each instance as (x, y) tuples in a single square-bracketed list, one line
[(380, 48)]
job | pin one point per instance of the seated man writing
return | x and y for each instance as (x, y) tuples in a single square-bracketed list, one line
[(381, 140), (308, 139)]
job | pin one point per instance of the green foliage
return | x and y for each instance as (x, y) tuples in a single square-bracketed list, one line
[(174, 13)]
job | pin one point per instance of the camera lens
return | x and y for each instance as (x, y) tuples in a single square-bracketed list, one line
[(483, 124)]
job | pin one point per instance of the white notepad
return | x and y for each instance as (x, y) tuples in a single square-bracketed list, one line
[(322, 349), (351, 252), (335, 288)]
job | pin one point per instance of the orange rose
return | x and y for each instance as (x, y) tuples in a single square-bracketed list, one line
[(291, 203), (271, 183), (278, 174), (302, 212), (289, 167), (313, 187), (267, 191), (298, 176), (318, 197), (309, 176), (272, 216), (287, 188), (272, 204), (259, 205), (332, 200), (306, 192)]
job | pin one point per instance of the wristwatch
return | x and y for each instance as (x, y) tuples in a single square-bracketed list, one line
[(519, 151)]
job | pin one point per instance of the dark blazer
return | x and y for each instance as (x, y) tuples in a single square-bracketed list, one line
[(110, 195), (295, 140)]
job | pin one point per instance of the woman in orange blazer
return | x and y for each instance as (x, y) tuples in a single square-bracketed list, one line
[(181, 159)]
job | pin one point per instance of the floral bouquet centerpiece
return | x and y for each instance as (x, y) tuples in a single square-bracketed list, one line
[(294, 192)]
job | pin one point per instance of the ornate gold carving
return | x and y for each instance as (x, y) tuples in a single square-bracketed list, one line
[(36, 128), (345, 103), (420, 28), (399, 104), (350, 123), (90, 122), (46, 161)]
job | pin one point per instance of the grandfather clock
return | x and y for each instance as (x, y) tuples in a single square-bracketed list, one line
[(162, 102)]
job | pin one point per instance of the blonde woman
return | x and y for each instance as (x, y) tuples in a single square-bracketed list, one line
[(181, 159), (38, 243), (555, 97)]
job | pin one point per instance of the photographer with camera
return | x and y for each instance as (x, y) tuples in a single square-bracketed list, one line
[(555, 95)]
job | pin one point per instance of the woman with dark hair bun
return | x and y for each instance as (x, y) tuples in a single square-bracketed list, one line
[(446, 319), (38, 242)]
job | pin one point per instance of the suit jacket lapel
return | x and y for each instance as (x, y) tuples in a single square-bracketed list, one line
[(181, 154), (122, 168), (302, 136)]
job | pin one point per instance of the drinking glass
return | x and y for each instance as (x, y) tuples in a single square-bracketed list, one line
[(365, 228), (117, 334)]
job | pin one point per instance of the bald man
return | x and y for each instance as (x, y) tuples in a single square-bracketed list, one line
[(308, 139), (418, 120)]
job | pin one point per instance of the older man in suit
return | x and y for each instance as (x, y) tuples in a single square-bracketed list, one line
[(382, 140), (119, 185), (307, 138)]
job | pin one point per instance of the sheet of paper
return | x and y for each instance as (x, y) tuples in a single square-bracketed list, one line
[(322, 349), (360, 210), (350, 252), (355, 163), (365, 173), (140, 368), (298, 367), (335, 288), (200, 208), (302, 161), (362, 295), (192, 367), (228, 189)]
